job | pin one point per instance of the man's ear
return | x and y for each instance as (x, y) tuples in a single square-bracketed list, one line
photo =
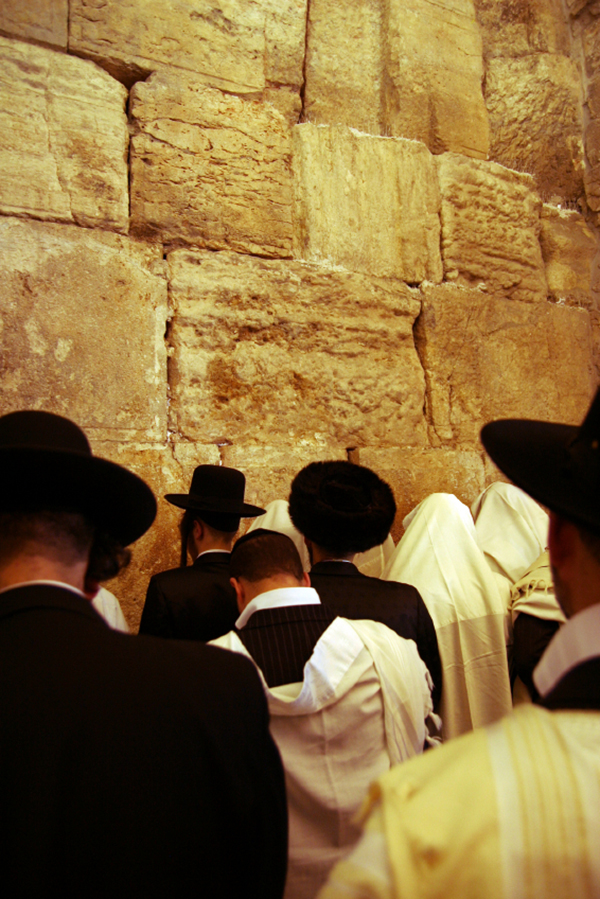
[(562, 536), (305, 579), (198, 530), (240, 593)]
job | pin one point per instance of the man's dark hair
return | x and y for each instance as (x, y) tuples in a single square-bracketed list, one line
[(224, 525), (262, 554), (69, 537)]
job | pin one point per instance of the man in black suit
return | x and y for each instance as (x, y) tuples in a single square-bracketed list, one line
[(130, 766), (198, 602), (342, 509)]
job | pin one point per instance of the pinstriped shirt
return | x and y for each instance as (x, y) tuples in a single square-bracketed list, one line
[(281, 637)]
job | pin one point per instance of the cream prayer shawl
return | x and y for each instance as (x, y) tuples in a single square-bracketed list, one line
[(507, 812)]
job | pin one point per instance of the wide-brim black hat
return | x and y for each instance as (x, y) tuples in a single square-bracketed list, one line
[(47, 463), (215, 488), (341, 506), (556, 464)]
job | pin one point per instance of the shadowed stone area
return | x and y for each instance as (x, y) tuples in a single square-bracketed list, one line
[(82, 318)]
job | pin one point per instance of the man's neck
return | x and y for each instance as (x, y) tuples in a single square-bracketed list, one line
[(323, 555), (33, 567)]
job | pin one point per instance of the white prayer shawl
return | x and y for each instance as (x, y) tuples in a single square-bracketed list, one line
[(362, 707), (506, 812), (277, 518), (107, 605), (440, 556), (534, 594)]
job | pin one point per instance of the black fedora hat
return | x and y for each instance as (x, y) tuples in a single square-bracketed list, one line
[(47, 463), (341, 506), (556, 464), (215, 488)]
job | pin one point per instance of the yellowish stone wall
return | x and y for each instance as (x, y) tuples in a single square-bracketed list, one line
[(264, 232)]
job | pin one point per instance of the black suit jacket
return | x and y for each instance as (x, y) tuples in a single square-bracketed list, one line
[(193, 603), (578, 689), (131, 766), (281, 640), (351, 594)]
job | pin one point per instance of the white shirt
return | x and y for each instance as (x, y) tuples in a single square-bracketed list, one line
[(276, 599)]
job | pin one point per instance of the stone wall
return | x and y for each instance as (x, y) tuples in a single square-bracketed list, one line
[(264, 232)]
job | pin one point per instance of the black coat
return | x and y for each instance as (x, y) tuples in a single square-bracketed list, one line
[(579, 688), (193, 603), (347, 592), (130, 766)]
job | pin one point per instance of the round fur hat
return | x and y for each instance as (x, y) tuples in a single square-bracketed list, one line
[(341, 506)]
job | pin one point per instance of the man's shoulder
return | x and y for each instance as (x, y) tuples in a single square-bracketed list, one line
[(355, 582), (217, 567)]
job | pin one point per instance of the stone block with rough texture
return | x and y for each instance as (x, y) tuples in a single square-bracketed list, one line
[(490, 358), (267, 352), (490, 228), (343, 86), (210, 169), (592, 145), (433, 73), (63, 139), (534, 104), (522, 28), (569, 247), (370, 204), (82, 321), (270, 470), (240, 46), (414, 474), (42, 21), (159, 548)]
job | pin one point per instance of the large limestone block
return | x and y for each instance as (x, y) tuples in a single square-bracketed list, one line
[(63, 138), (370, 204), (414, 474), (490, 228), (433, 74), (270, 353), (159, 548), (270, 470), (82, 321), (210, 169), (490, 358), (343, 74), (42, 21), (534, 104), (241, 46), (519, 29), (569, 247)]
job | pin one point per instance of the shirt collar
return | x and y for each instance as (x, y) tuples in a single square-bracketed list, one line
[(47, 583), (204, 552), (276, 599), (575, 642)]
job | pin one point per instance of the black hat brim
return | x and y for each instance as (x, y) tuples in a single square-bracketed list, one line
[(227, 507), (535, 456), (112, 497)]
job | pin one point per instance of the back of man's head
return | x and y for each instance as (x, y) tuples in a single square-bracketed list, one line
[(262, 555), (341, 507)]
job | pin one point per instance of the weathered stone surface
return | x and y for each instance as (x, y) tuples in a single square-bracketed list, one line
[(592, 145), (433, 73), (279, 353), (490, 358), (270, 470), (82, 321), (344, 64), (534, 104), (415, 473), (569, 247), (241, 46), (63, 138), (490, 228), (43, 21), (370, 204), (210, 169), (519, 29)]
